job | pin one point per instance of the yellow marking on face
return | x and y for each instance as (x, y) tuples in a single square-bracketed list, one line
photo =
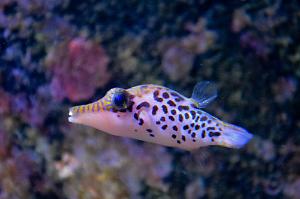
[(75, 109), (146, 89), (139, 92), (106, 103), (109, 107), (100, 104), (81, 109)]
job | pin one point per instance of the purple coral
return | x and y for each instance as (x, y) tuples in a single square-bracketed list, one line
[(79, 66), (251, 41)]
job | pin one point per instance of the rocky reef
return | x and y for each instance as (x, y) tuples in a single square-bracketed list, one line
[(58, 53)]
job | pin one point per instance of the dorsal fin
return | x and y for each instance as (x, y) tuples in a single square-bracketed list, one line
[(204, 93)]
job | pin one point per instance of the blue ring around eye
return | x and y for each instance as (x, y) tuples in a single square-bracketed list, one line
[(120, 99)]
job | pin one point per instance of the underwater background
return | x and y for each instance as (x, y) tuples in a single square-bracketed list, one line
[(55, 54)]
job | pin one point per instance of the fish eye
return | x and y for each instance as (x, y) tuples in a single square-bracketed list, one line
[(120, 99)]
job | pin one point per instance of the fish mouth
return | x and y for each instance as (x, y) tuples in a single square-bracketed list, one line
[(72, 117), (76, 112)]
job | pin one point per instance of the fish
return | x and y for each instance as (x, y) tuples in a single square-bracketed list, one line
[(157, 114)]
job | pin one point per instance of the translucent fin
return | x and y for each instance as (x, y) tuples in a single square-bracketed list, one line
[(204, 93), (234, 136)]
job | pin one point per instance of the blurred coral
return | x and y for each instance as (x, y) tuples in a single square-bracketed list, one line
[(178, 55), (255, 43), (195, 189), (5, 101), (177, 63), (240, 20), (106, 153), (32, 109), (263, 149), (292, 189), (284, 89), (78, 66), (200, 38)]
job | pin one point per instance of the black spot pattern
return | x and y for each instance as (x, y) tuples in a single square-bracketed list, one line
[(159, 99), (135, 115), (185, 127), (193, 135), (187, 116), (162, 119), (141, 122), (155, 96), (210, 128), (193, 113), (164, 127), (165, 95), (212, 134), (171, 118), (204, 118), (175, 128), (165, 109), (174, 136), (173, 112), (197, 127), (154, 110), (180, 118), (143, 104), (203, 134), (181, 108), (183, 137), (171, 103), (149, 130)]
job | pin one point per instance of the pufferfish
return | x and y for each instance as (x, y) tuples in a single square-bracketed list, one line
[(161, 115)]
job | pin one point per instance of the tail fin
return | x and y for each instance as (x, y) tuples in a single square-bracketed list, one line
[(234, 136)]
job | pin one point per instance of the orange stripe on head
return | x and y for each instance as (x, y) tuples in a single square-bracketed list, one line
[(101, 106)]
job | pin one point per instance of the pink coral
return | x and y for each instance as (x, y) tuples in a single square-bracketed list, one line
[(79, 66), (200, 39), (178, 55), (177, 59)]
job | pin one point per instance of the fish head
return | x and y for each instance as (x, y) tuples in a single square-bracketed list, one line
[(112, 113)]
